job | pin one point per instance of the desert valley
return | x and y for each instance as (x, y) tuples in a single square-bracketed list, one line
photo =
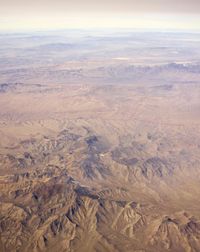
[(100, 142)]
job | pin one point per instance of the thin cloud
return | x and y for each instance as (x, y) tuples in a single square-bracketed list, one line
[(106, 13)]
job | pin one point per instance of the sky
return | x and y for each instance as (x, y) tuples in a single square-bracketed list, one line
[(138, 14)]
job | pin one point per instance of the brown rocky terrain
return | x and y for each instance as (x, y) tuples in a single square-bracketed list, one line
[(99, 156)]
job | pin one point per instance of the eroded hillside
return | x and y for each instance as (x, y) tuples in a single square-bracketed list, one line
[(104, 157)]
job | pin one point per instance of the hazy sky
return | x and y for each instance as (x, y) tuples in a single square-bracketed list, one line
[(51, 14)]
